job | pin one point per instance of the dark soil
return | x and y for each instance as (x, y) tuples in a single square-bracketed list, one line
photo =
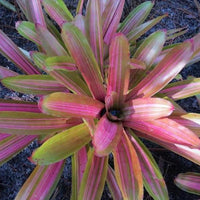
[(182, 13)]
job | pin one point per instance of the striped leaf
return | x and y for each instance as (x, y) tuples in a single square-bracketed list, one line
[(34, 12), (94, 177), (111, 18), (106, 136), (182, 89), (49, 43), (28, 123), (79, 161), (33, 84), (13, 105), (58, 11), (93, 24), (167, 130), (152, 177), (136, 17), (27, 30), (147, 109), (112, 184), (164, 72), (119, 71), (42, 182), (127, 170), (11, 145), (77, 44), (67, 104), (11, 51), (189, 182), (5, 72), (142, 29)]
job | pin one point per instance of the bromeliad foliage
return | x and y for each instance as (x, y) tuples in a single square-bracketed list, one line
[(102, 90)]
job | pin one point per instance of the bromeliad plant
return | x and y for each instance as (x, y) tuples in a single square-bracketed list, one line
[(102, 90)]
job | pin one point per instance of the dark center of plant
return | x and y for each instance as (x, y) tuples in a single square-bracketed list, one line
[(114, 114)]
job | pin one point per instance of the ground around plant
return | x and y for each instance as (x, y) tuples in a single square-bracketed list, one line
[(181, 13)]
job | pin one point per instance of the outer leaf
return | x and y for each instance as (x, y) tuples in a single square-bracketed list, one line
[(12, 145), (64, 71), (143, 28), (94, 30), (10, 105), (152, 177), (192, 154), (164, 72), (189, 120), (41, 183), (106, 136), (39, 59), (28, 123), (77, 44), (94, 177), (79, 22), (182, 89), (151, 48), (66, 104), (147, 109), (62, 145), (27, 30), (136, 17), (112, 184), (127, 169), (189, 182), (166, 130), (103, 4), (119, 71), (33, 84), (79, 161), (79, 7), (111, 19), (5, 72), (53, 48), (11, 51), (34, 12), (57, 10), (60, 62)]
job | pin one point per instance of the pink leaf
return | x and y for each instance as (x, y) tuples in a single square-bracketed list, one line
[(67, 104), (111, 18), (164, 72), (94, 177), (147, 109), (166, 130), (127, 170), (77, 44), (119, 71), (106, 136), (11, 51), (42, 182)]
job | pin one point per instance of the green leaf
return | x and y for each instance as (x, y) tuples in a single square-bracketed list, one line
[(62, 145)]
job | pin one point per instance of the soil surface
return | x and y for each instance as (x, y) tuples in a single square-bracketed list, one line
[(181, 13)]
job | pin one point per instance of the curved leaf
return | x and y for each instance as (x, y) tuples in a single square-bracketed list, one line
[(33, 84), (94, 177), (28, 123), (77, 44), (42, 182), (127, 170), (62, 145), (67, 104)]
